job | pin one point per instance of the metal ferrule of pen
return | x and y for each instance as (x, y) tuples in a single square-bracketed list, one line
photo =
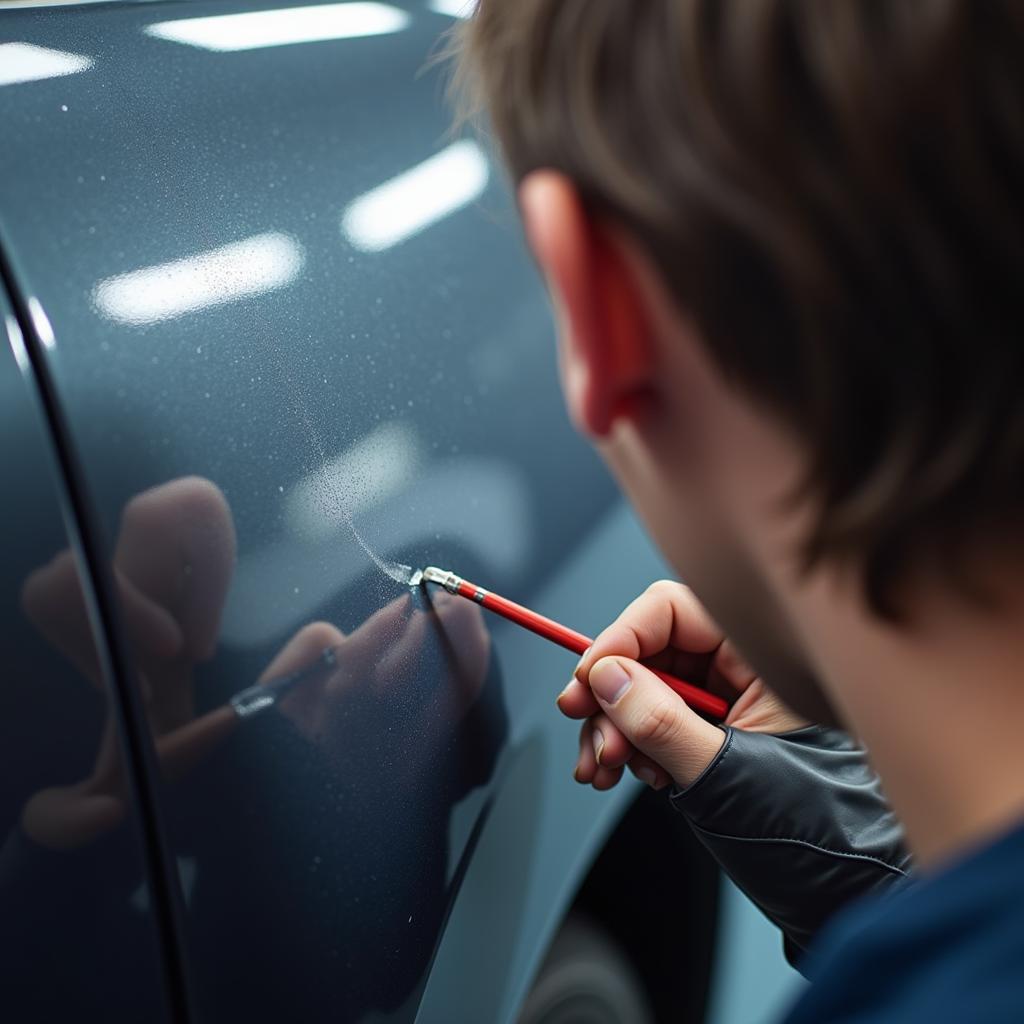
[(443, 577)]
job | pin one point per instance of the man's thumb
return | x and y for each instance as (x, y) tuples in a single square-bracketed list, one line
[(654, 718)]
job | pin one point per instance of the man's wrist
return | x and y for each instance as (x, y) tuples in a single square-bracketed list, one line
[(704, 749)]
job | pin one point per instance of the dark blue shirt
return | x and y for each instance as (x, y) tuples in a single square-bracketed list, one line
[(947, 947)]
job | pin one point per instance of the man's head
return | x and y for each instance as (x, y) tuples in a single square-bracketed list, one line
[(785, 239)]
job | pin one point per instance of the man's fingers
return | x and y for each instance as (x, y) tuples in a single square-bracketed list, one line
[(586, 763), (180, 751), (606, 778), (611, 748), (66, 817), (654, 719), (389, 660), (576, 700), (730, 673), (648, 772), (302, 649), (375, 651), (666, 615), (466, 642), (588, 770), (52, 599), (150, 627), (760, 710), (188, 571)]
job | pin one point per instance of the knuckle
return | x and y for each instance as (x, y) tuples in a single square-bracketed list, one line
[(663, 588), (320, 634), (135, 511), (731, 662), (658, 726)]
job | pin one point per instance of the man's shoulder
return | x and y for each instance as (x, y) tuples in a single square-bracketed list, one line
[(949, 947)]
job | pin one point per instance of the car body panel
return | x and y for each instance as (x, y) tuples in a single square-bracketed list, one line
[(78, 934), (276, 371), (527, 864)]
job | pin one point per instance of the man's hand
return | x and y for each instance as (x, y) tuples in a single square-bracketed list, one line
[(632, 718), (378, 666), (173, 564)]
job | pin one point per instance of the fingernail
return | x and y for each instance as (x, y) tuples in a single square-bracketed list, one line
[(598, 738), (568, 686), (576, 773), (648, 775), (609, 680), (579, 664)]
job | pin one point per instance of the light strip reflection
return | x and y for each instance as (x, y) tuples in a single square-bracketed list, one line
[(17, 342), (454, 8), (417, 198), (252, 30), (25, 62), (254, 265)]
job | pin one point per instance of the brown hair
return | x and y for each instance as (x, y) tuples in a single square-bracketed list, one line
[(834, 191)]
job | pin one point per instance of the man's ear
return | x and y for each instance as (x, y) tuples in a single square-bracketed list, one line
[(605, 352)]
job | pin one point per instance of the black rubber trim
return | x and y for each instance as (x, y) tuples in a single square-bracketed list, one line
[(87, 538)]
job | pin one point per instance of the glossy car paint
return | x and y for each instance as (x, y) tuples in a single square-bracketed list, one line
[(66, 942), (296, 340)]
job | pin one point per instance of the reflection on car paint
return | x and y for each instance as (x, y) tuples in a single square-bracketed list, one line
[(41, 323), (254, 699), (26, 62), (355, 481), (71, 855), (309, 834), (286, 580), (333, 498), (288, 25), (327, 784), (413, 200), (234, 271), (453, 8)]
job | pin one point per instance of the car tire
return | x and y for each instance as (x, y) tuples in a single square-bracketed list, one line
[(586, 978)]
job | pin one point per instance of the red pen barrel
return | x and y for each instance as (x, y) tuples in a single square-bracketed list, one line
[(698, 699), (547, 628)]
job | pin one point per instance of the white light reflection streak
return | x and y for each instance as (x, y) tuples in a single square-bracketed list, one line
[(26, 62), (17, 342), (41, 322), (417, 198), (252, 30), (249, 267), (454, 8)]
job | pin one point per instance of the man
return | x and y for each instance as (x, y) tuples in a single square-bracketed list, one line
[(785, 243)]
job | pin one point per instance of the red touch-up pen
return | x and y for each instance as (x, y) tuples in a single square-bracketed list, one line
[(698, 699)]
